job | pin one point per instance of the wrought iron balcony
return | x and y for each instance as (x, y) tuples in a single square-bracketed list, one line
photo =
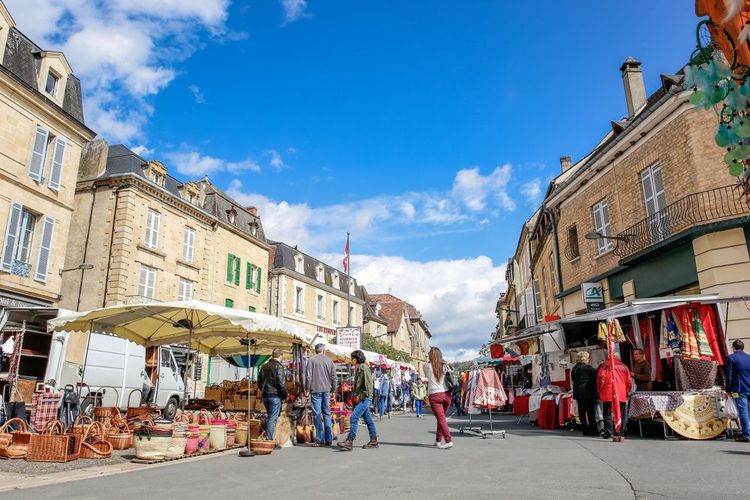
[(140, 299), (693, 210), (20, 268)]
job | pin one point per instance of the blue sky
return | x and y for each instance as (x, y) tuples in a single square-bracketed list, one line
[(430, 130)]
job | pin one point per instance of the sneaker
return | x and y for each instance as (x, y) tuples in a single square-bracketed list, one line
[(437, 444), (446, 446), (372, 444), (742, 439), (346, 445)]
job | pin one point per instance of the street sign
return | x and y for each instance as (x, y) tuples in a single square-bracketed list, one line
[(349, 337), (593, 296)]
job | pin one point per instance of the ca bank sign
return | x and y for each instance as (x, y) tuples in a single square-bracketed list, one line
[(592, 292)]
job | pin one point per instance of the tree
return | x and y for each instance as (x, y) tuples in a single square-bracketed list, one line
[(372, 344)]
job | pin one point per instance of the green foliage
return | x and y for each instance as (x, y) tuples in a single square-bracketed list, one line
[(375, 345)]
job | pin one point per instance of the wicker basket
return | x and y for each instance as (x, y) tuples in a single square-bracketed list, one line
[(94, 445), (262, 446), (118, 433), (54, 445), (80, 424), (253, 428), (152, 445), (14, 443)]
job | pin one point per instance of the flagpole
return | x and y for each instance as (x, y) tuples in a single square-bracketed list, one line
[(348, 283)]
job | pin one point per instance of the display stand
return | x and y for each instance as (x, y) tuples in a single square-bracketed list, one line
[(480, 432)]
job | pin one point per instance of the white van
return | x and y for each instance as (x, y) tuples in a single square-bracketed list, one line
[(115, 372)]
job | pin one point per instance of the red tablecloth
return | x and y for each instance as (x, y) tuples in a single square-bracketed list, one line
[(566, 411), (521, 405), (548, 414)]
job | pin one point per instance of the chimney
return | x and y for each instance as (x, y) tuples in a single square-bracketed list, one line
[(565, 163), (252, 210), (93, 161), (632, 80)]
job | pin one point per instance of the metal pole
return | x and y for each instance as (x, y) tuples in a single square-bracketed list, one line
[(85, 360), (348, 282), (248, 452)]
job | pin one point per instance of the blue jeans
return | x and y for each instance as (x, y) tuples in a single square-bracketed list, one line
[(383, 405), (362, 410), (741, 403), (321, 403), (273, 407), (418, 406)]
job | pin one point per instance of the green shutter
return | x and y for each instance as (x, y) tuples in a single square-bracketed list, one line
[(230, 267), (251, 309), (228, 303), (249, 277), (260, 278), (237, 267)]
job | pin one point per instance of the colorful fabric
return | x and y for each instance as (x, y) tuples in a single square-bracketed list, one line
[(649, 403), (651, 349), (694, 374), (708, 319), (490, 393), (45, 406), (704, 348), (521, 405), (617, 334), (548, 414), (690, 341), (670, 334)]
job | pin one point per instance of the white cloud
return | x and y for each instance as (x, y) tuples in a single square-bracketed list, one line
[(276, 161), (293, 10), (472, 188), (194, 164), (124, 51), (143, 151), (532, 190), (456, 297), (197, 94)]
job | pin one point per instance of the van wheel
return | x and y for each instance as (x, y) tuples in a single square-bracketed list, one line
[(171, 409)]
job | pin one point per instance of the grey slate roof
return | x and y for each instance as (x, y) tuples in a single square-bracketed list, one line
[(123, 161), (22, 58), (284, 258)]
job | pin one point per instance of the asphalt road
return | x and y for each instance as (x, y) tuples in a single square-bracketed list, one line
[(527, 464)]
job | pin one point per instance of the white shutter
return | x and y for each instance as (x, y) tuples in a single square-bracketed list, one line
[(152, 229), (530, 312), (11, 236), (537, 300), (38, 154), (188, 249), (55, 172), (45, 249)]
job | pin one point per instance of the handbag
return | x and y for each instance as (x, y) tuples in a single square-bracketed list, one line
[(452, 384)]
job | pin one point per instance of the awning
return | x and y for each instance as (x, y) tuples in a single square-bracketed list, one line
[(530, 332), (641, 306)]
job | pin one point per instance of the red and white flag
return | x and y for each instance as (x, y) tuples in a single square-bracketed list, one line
[(346, 254)]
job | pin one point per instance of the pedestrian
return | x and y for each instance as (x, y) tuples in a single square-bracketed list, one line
[(641, 371), (361, 399), (406, 393), (272, 385), (320, 381), (614, 378), (456, 396), (738, 384), (584, 392), (439, 396), (419, 393), (384, 393), (147, 392)]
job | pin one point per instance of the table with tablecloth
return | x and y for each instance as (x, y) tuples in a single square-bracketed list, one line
[(548, 413), (651, 402), (521, 405)]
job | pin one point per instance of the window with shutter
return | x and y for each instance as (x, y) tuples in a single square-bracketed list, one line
[(188, 245), (530, 310), (228, 303), (537, 301), (259, 280), (11, 236), (249, 276), (55, 172), (38, 154), (237, 264), (602, 226), (230, 268), (185, 291), (153, 222), (147, 282), (251, 309), (45, 250)]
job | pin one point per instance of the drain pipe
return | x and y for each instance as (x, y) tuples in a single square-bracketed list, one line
[(111, 242), (86, 245)]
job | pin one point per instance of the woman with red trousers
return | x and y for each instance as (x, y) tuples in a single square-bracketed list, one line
[(439, 396)]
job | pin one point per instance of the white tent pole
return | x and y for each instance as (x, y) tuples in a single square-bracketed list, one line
[(85, 360)]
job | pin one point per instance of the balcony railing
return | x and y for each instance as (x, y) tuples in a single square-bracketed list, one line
[(692, 210), (20, 268), (140, 299)]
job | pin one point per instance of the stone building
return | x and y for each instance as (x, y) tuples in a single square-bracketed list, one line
[(147, 236), (312, 294), (406, 328), (42, 133)]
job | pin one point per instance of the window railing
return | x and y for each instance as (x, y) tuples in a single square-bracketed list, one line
[(20, 268), (692, 210), (140, 299)]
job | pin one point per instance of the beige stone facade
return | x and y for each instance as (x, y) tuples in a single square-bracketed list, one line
[(406, 328), (41, 138), (185, 255), (312, 294)]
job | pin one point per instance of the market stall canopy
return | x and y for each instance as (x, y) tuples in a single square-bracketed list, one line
[(213, 329), (640, 306), (487, 361), (241, 361)]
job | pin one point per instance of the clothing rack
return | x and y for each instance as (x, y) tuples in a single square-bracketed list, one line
[(478, 430)]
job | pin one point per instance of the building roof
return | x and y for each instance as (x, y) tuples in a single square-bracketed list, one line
[(123, 161), (394, 309), (284, 258), (22, 58)]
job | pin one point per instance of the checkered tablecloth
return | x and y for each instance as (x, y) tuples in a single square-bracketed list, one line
[(650, 402), (45, 406)]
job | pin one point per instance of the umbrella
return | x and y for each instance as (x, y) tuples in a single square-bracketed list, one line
[(241, 361), (211, 329)]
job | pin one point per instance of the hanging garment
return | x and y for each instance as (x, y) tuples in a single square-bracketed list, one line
[(670, 335), (704, 348), (692, 374), (650, 348), (472, 409), (490, 393), (689, 340), (708, 320)]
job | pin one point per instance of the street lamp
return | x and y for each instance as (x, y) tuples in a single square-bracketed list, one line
[(596, 235), (81, 267)]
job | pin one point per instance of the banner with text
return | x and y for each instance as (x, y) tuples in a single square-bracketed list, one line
[(349, 337)]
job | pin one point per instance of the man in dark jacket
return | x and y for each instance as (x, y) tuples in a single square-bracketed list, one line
[(272, 384), (584, 392), (738, 384)]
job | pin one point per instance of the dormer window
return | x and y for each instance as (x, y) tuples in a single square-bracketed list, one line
[(351, 285), (299, 264), (254, 227), (156, 172), (190, 192), (335, 280), (51, 86), (320, 272), (231, 215)]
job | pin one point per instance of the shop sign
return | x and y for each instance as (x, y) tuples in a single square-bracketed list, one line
[(349, 337), (593, 296)]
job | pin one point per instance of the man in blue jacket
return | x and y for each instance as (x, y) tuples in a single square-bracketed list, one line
[(738, 384)]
